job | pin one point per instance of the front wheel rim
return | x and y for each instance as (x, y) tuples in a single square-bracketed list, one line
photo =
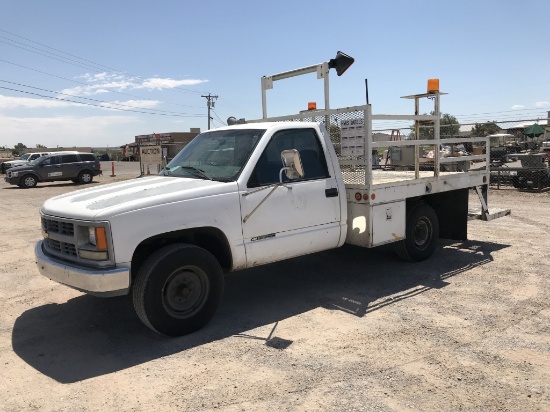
[(185, 292), (29, 181)]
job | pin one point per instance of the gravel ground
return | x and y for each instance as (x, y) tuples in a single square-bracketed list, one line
[(349, 329)]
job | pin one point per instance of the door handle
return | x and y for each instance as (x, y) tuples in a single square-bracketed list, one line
[(332, 192)]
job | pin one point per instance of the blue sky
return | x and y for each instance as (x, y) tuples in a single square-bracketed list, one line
[(155, 61)]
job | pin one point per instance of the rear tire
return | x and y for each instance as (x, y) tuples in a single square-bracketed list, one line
[(85, 177), (178, 289), (421, 234)]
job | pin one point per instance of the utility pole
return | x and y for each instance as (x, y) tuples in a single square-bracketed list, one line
[(210, 104)]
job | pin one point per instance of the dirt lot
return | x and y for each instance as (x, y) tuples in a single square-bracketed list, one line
[(349, 329)]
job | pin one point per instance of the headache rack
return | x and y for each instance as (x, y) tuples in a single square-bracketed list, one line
[(388, 167)]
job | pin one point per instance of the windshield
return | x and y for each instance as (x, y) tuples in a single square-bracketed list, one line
[(217, 155), (37, 160), (25, 156)]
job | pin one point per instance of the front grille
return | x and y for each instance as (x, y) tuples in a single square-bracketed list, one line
[(59, 238), (64, 239), (56, 226), (60, 247)]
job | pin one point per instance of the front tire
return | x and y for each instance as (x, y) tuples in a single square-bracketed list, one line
[(421, 234), (28, 181), (178, 289)]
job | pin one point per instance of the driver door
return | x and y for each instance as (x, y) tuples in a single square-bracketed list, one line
[(299, 217)]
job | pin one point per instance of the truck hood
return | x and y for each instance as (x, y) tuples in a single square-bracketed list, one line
[(113, 199), (17, 163)]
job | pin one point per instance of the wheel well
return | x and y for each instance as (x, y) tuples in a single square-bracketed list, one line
[(28, 174), (209, 238), (451, 209)]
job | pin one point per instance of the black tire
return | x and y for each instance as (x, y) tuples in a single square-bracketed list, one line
[(421, 234), (178, 289), (85, 177), (28, 181)]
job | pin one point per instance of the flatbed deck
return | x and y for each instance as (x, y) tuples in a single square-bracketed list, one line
[(383, 177)]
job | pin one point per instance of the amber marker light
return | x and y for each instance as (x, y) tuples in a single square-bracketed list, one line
[(312, 106), (433, 85), (101, 238)]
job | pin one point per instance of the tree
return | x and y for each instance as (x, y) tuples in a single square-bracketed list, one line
[(449, 127), (40, 146), (18, 148), (485, 129)]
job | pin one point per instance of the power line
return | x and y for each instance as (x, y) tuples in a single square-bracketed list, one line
[(218, 117), (93, 100), (74, 62), (53, 56), (458, 124), (87, 85), (96, 105), (52, 48)]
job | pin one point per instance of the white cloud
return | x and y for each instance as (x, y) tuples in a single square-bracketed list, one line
[(518, 107), (103, 82), (159, 83), (542, 105), (67, 131), (7, 102)]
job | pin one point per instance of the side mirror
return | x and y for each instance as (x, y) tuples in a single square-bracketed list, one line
[(292, 164)]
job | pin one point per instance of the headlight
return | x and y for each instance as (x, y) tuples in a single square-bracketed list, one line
[(14, 174), (91, 235), (97, 236)]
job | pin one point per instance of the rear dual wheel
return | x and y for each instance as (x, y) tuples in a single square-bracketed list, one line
[(421, 234), (178, 289)]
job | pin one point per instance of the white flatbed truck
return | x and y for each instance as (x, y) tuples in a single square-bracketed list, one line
[(249, 194)]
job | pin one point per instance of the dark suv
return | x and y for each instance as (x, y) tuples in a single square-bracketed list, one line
[(78, 167)]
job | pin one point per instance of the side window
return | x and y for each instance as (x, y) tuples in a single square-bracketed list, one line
[(87, 157), (34, 156), (54, 160), (311, 152), (69, 158)]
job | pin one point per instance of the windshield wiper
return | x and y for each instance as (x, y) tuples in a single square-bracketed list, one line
[(198, 172)]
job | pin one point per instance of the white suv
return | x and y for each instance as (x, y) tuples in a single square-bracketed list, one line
[(23, 160)]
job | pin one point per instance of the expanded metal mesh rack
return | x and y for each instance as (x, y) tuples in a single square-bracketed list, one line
[(352, 138)]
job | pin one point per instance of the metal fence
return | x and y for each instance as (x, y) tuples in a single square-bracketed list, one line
[(524, 171)]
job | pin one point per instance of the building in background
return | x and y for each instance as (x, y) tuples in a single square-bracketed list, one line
[(171, 143)]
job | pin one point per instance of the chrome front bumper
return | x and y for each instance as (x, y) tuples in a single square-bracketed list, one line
[(99, 282)]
